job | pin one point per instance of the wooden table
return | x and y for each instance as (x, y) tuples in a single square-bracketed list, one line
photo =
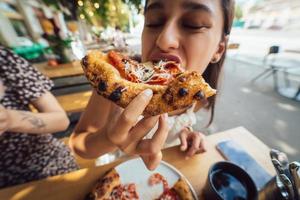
[(75, 102), (60, 71), (76, 185)]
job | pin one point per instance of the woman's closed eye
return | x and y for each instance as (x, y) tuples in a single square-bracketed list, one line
[(195, 26), (154, 24)]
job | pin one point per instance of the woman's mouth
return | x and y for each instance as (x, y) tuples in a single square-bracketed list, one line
[(165, 57)]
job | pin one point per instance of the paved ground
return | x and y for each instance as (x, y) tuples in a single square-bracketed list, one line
[(272, 118)]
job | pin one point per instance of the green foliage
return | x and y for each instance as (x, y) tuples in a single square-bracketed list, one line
[(238, 13), (109, 13), (136, 3)]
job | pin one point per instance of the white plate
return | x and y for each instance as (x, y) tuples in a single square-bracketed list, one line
[(135, 171)]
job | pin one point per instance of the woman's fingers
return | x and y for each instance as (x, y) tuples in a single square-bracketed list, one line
[(202, 146), (155, 144), (130, 116), (161, 134), (135, 109), (183, 135), (137, 133), (142, 128), (195, 143), (152, 161)]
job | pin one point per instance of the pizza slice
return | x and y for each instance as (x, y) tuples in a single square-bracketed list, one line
[(104, 186), (109, 187), (180, 190), (120, 79)]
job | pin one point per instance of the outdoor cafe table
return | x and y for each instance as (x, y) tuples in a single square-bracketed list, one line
[(75, 185), (61, 71)]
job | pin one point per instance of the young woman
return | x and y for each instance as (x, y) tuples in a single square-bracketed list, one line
[(27, 150), (191, 32)]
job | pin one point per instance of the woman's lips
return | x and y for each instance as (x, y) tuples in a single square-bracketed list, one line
[(165, 56)]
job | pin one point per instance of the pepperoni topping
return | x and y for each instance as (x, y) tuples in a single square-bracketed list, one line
[(124, 192), (169, 195), (157, 179), (154, 74)]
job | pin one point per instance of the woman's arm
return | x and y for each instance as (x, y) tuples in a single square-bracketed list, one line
[(104, 128), (88, 140), (51, 117)]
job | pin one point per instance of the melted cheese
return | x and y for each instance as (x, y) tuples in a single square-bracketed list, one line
[(146, 71)]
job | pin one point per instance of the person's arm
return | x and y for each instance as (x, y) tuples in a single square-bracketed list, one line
[(87, 139), (104, 128), (51, 117)]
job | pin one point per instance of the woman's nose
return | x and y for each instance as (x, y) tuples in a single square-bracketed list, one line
[(168, 38)]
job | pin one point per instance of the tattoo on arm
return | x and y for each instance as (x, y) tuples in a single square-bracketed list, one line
[(34, 121)]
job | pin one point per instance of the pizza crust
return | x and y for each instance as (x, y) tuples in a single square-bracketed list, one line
[(183, 190), (105, 186), (182, 92)]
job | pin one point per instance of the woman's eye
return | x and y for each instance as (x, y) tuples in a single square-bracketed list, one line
[(154, 24), (194, 27)]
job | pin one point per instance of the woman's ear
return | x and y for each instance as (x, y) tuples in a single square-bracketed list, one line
[(220, 50)]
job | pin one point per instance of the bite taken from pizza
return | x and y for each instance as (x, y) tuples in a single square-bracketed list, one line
[(120, 79)]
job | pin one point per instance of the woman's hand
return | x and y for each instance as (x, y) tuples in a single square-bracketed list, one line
[(192, 142), (4, 120), (126, 132)]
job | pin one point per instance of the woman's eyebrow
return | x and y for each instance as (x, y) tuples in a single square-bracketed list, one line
[(154, 6), (196, 6)]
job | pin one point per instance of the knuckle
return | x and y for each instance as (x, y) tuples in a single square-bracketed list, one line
[(196, 136), (153, 149), (147, 125), (125, 117), (126, 149), (200, 134), (118, 141)]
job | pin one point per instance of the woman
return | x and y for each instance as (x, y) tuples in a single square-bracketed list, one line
[(27, 150), (194, 33)]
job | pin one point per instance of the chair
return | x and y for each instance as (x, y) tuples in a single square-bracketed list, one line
[(268, 61)]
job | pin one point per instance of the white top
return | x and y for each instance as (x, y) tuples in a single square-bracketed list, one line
[(176, 124)]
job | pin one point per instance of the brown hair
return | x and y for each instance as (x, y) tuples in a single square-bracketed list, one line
[(213, 70)]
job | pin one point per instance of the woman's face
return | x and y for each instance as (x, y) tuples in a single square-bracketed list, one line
[(186, 31)]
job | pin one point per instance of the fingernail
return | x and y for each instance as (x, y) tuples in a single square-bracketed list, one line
[(148, 92), (165, 115), (187, 157)]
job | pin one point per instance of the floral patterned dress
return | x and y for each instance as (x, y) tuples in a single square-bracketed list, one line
[(27, 157)]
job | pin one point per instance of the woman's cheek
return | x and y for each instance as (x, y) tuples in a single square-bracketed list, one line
[(197, 59)]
